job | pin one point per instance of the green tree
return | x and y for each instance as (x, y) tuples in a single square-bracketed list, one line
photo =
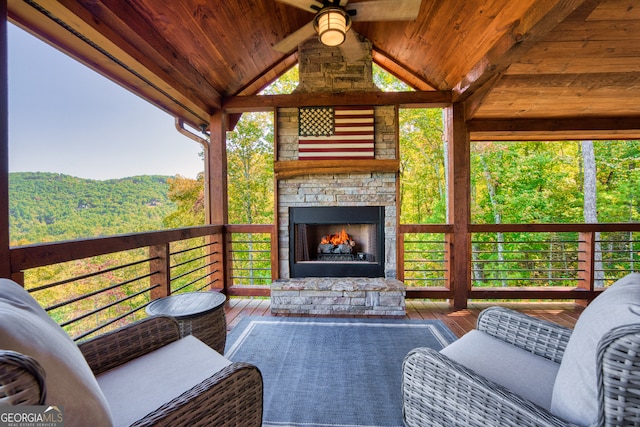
[(387, 82), (250, 170), (286, 83), (188, 195), (423, 191)]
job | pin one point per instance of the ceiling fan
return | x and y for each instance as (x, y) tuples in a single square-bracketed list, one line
[(333, 18)]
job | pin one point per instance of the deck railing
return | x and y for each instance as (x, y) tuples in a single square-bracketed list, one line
[(521, 261), (252, 266), (92, 285)]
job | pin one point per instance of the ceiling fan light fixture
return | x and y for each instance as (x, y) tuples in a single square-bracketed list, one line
[(332, 24)]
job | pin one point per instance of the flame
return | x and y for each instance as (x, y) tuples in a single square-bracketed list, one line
[(340, 238)]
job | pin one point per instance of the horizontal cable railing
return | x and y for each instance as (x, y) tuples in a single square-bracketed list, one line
[(92, 286), (581, 256), (616, 253), (250, 253), (517, 261), (192, 267), (525, 259), (99, 293), (425, 259)]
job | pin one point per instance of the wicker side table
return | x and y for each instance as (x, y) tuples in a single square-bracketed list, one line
[(200, 314)]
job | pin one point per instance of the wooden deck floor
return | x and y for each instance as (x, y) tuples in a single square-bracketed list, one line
[(459, 321)]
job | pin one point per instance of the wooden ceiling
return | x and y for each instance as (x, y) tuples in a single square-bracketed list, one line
[(525, 69)]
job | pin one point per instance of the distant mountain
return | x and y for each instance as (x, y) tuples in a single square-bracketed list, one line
[(46, 207)]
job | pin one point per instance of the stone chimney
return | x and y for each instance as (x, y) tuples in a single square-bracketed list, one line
[(324, 69), (327, 69)]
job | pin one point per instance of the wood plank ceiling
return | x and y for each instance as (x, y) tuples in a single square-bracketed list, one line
[(523, 68)]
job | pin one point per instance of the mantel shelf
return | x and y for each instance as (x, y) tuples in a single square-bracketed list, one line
[(293, 168)]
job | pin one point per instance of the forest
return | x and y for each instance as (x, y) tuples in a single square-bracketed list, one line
[(45, 207)]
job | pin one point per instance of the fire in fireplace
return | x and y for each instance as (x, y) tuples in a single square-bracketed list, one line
[(336, 241), (338, 247)]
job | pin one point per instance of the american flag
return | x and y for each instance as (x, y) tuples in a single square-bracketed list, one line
[(327, 133)]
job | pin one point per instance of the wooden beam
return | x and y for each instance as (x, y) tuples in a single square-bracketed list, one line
[(533, 293), (253, 291), (475, 101), (541, 18), (240, 104), (218, 200), (554, 228), (486, 129), (459, 194), (430, 293), (217, 167), (5, 260), (291, 168)]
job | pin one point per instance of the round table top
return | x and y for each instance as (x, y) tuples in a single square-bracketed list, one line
[(184, 306)]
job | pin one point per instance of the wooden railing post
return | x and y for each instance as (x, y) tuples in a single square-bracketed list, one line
[(448, 260), (215, 270), (586, 258), (400, 255), (160, 279)]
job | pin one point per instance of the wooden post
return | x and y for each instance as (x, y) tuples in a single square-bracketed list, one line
[(459, 153), (218, 198), (160, 270), (275, 239), (586, 258), (5, 260), (400, 254)]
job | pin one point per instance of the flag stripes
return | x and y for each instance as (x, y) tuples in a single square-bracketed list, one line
[(352, 137)]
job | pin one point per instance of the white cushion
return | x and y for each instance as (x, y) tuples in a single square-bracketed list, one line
[(142, 385), (26, 328), (527, 375), (575, 392)]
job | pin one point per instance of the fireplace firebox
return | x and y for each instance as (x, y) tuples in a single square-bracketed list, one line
[(336, 241)]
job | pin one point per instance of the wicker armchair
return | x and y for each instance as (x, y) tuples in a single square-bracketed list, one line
[(39, 365), (231, 397), (440, 391)]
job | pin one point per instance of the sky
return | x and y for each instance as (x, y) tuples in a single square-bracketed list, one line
[(66, 118)]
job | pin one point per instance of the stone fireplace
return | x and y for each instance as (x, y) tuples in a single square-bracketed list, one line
[(363, 280)]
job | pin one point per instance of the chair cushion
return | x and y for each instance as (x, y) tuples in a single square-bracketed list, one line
[(26, 328), (575, 394), (142, 385), (527, 375)]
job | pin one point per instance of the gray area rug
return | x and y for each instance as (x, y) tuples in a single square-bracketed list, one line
[(321, 372)]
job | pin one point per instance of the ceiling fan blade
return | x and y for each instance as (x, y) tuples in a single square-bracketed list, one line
[(292, 41), (352, 48), (304, 4), (386, 10)]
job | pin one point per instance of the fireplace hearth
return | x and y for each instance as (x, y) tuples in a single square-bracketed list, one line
[(336, 241)]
